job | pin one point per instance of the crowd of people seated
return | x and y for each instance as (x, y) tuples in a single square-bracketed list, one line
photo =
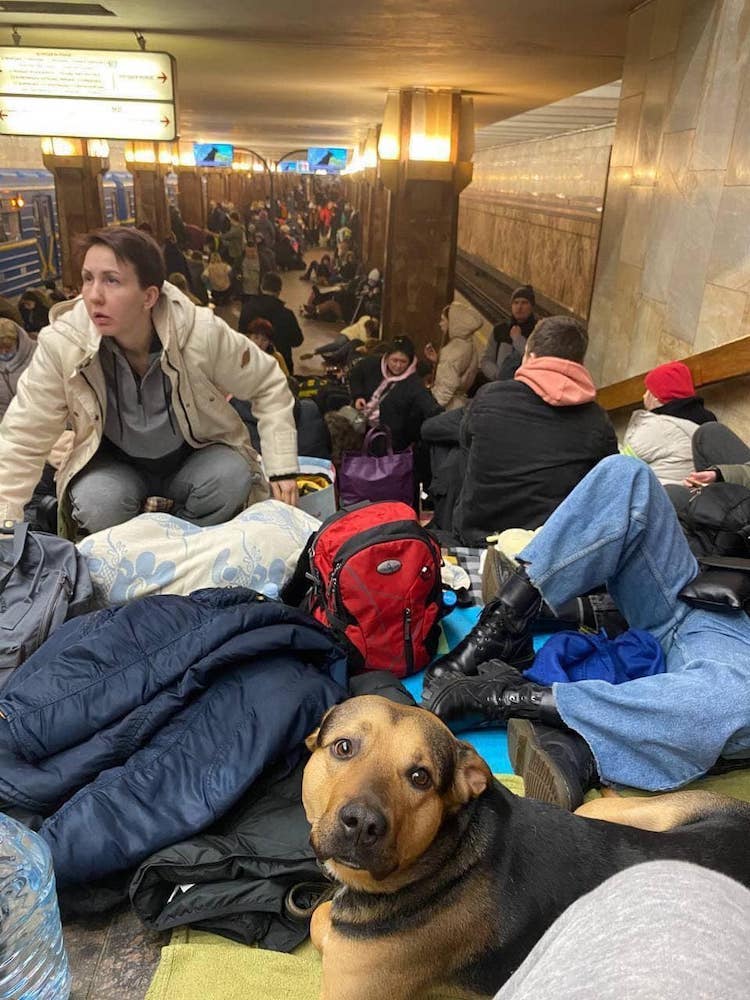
[(136, 397), (506, 436)]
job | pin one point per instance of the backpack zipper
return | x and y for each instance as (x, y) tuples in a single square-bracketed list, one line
[(408, 645)]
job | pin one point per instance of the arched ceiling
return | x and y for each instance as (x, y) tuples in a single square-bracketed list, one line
[(283, 74)]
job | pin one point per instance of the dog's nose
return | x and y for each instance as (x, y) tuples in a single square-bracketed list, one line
[(362, 824)]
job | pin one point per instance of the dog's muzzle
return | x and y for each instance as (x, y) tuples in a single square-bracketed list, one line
[(358, 837)]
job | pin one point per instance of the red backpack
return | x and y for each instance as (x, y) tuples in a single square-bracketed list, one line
[(376, 583)]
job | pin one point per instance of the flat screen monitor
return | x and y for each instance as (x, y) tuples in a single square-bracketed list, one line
[(213, 154), (289, 166), (328, 158)]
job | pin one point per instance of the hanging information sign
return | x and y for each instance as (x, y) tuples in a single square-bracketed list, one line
[(87, 93)]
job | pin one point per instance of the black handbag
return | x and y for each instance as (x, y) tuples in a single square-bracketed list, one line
[(716, 520)]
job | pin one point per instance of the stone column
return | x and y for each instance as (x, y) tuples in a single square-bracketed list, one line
[(673, 271), (379, 205), (80, 200), (191, 196), (151, 203), (422, 211)]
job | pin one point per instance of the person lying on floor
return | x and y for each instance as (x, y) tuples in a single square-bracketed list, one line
[(135, 369), (656, 733)]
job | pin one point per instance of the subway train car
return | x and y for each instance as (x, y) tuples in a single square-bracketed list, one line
[(29, 251)]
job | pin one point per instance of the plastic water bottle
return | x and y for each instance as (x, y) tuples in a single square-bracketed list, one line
[(33, 964)]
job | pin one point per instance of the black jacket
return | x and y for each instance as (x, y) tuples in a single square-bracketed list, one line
[(402, 409), (286, 329), (242, 868), (313, 439), (691, 408), (524, 457)]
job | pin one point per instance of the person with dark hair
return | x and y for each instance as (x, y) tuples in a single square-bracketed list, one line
[(174, 258), (34, 308), (233, 242), (268, 305), (529, 440), (140, 374), (391, 394), (507, 343)]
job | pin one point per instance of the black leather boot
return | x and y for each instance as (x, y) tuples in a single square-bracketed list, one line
[(498, 692), (555, 763), (502, 633)]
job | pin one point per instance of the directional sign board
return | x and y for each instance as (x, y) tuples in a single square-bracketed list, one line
[(87, 93)]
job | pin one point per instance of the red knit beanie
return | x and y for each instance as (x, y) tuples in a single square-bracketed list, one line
[(670, 381)]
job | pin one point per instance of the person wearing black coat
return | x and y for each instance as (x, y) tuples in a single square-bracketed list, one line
[(391, 393), (507, 343), (267, 305), (530, 440)]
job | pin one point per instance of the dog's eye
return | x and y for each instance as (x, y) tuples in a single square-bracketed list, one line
[(342, 748), (420, 778)]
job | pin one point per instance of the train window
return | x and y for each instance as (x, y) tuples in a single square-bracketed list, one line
[(110, 206), (10, 222)]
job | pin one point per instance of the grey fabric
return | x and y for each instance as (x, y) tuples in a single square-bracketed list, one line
[(665, 930), (139, 417), (211, 486)]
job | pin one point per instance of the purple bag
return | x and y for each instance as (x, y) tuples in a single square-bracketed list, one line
[(364, 476)]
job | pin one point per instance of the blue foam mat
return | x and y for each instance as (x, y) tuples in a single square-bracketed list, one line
[(490, 743)]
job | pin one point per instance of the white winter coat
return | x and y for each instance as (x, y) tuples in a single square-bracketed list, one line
[(458, 360), (663, 442), (204, 360)]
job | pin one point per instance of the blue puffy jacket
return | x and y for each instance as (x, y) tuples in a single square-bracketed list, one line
[(135, 727)]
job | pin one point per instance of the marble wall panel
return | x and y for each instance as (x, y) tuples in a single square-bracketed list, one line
[(635, 232), (728, 400), (666, 27), (718, 109), (650, 126), (729, 263), (637, 45), (626, 131), (738, 167), (691, 252), (650, 319), (691, 61), (533, 212), (722, 317)]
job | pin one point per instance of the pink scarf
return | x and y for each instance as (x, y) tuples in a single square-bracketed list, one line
[(372, 407)]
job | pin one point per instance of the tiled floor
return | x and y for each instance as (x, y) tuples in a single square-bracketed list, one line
[(113, 957)]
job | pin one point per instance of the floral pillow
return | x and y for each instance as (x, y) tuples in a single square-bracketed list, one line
[(161, 554)]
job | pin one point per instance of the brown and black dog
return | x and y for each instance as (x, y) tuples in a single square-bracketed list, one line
[(446, 879)]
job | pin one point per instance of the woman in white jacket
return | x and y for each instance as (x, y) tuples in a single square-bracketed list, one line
[(458, 359), (141, 376)]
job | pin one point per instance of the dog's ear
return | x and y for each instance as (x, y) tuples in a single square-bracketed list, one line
[(471, 776), (312, 742)]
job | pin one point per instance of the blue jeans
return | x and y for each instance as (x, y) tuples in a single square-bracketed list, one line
[(619, 528)]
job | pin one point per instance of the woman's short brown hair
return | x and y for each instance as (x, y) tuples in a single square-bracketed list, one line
[(130, 246)]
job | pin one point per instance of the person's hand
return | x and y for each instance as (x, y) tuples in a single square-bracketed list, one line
[(697, 479), (430, 353), (517, 338), (285, 490), (360, 404)]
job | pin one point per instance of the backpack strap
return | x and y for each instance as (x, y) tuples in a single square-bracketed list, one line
[(295, 589)]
